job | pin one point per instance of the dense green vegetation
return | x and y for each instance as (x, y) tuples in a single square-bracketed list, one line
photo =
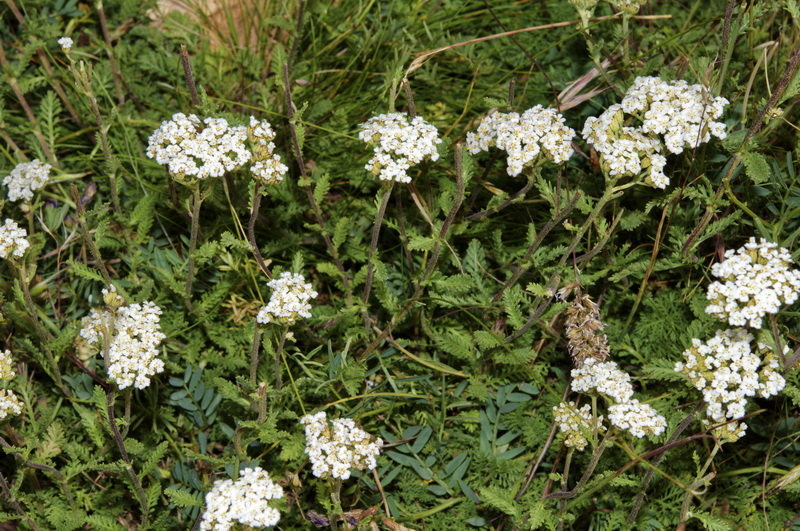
[(461, 351)]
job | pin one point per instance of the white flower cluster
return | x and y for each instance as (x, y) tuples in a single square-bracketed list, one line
[(602, 377), (683, 114), (244, 501), (65, 43), (576, 423), (755, 280), (726, 371), (267, 166), (672, 114), (25, 178), (528, 139), (338, 446), (9, 403), (6, 366), (606, 379), (189, 149), (289, 301), (133, 334), (399, 144), (625, 151), (636, 418), (13, 240)]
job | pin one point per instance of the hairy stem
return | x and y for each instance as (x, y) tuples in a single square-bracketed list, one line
[(373, 247), (87, 238), (137, 485), (254, 350), (187, 74), (251, 231), (279, 356), (197, 200)]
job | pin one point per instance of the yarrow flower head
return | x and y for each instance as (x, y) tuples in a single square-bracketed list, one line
[(636, 418), (673, 115), (289, 301), (604, 378), (26, 178), (65, 43), (755, 280), (245, 501), (13, 240), (576, 424), (537, 135), (727, 371), (336, 447), (191, 148), (629, 7), (398, 143), (131, 335), (267, 166), (6, 366), (9, 403)]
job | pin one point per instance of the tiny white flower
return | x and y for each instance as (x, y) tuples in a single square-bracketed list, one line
[(65, 43), (398, 144), (336, 447), (245, 501), (26, 178), (289, 301), (13, 240)]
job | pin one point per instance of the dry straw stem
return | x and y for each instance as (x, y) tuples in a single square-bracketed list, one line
[(422, 57)]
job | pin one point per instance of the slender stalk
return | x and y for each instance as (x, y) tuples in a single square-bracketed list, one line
[(336, 489), (557, 219), (197, 200), (610, 194), (128, 399), (44, 336), (626, 54), (648, 477), (251, 231), (510, 199), (187, 74), (254, 350), (564, 484), (137, 485), (448, 222), (298, 154), (87, 238), (279, 356), (15, 503), (373, 247), (702, 479), (586, 475), (101, 14)]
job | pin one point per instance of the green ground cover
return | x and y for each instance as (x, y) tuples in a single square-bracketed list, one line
[(450, 311)]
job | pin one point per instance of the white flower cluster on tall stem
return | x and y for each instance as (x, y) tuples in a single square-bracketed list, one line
[(672, 114), (289, 301), (267, 166), (398, 144), (538, 134), (336, 447), (130, 336), (727, 371), (191, 148), (13, 240), (755, 280), (10, 404), (26, 178), (606, 379), (576, 424), (245, 501)]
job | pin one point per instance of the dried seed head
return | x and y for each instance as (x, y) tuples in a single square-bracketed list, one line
[(585, 331)]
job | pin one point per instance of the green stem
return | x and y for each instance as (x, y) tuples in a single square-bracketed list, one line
[(701, 480), (373, 247), (626, 38), (279, 356), (254, 354), (251, 231), (87, 238), (197, 200), (15, 503), (44, 336), (137, 485)]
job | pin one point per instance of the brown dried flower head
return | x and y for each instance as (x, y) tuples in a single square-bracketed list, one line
[(585, 330)]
